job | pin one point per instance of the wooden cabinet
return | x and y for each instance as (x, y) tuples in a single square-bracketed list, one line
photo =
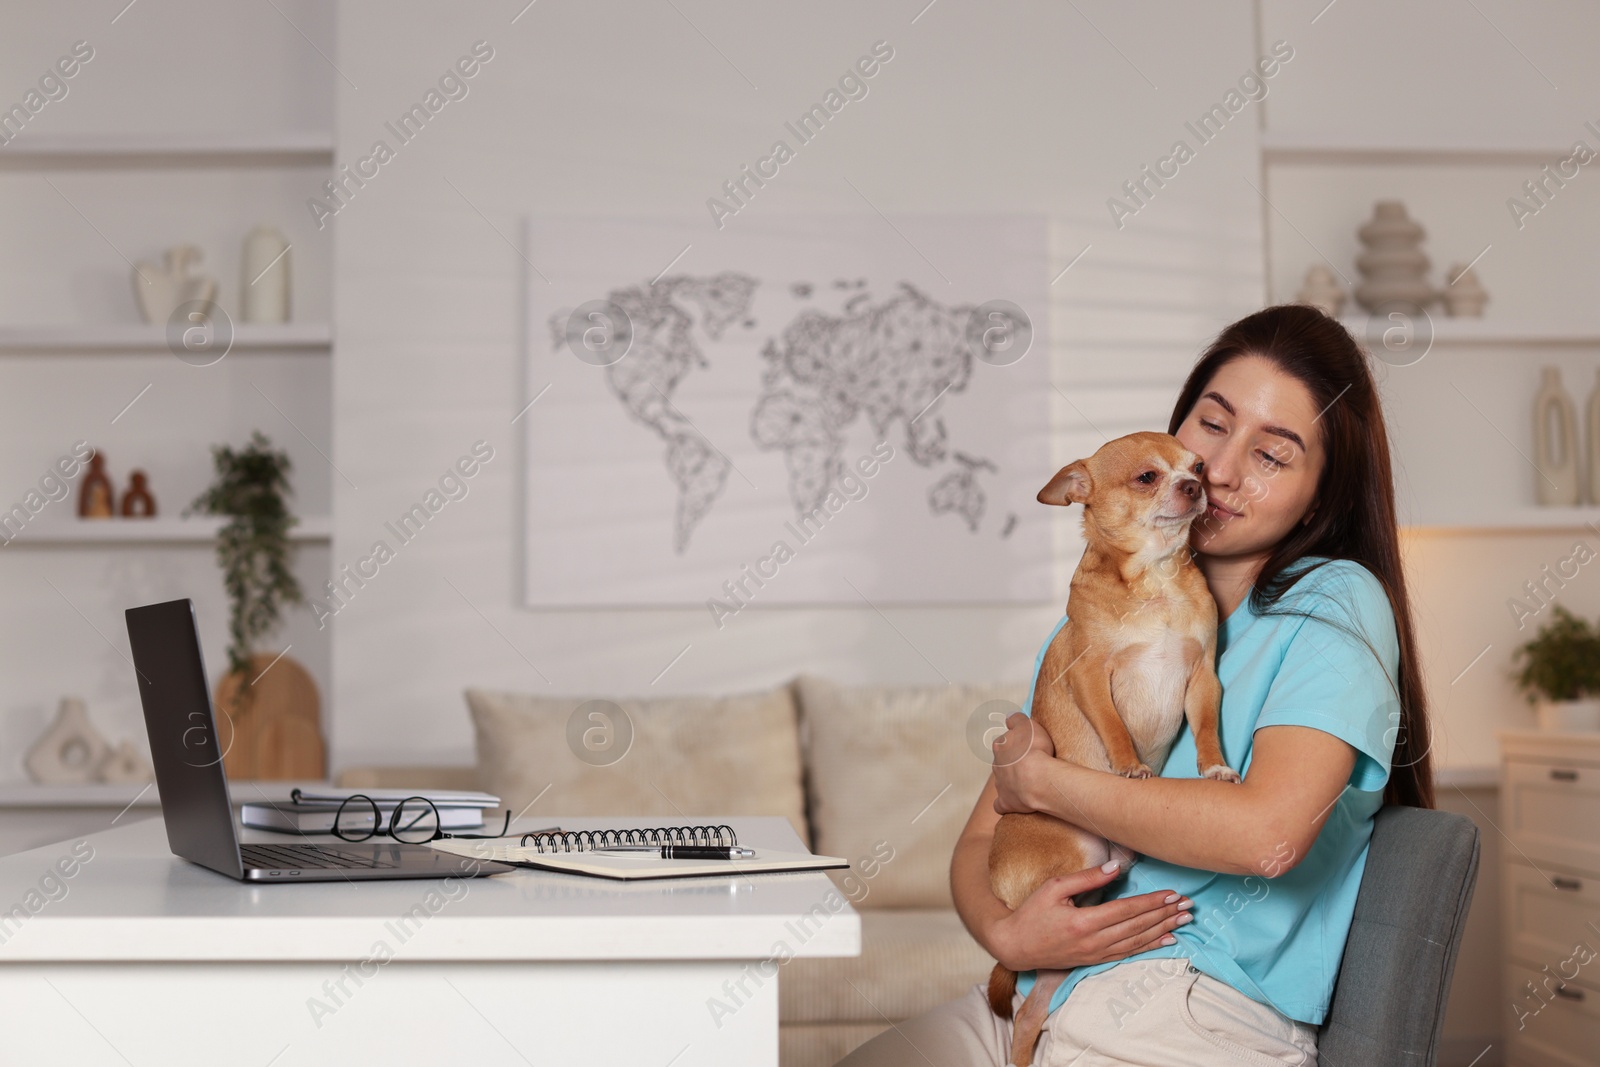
[(1550, 884)]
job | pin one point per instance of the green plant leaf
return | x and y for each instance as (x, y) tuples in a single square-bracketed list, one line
[(1562, 662), (250, 489)]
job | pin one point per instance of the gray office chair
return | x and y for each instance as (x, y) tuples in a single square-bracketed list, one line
[(1389, 998)]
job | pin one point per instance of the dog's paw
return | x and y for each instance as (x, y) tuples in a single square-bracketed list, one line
[(1141, 771), (1221, 772)]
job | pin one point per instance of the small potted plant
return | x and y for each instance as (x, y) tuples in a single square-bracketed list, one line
[(270, 699), (1559, 671)]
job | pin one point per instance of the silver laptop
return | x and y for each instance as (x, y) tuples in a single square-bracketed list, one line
[(194, 787)]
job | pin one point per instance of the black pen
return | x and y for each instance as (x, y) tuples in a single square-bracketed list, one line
[(686, 852)]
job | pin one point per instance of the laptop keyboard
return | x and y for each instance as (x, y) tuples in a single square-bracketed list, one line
[(301, 857)]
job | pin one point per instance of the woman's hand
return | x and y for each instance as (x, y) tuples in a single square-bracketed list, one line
[(1049, 930), (1021, 755)]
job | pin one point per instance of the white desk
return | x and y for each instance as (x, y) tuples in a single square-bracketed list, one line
[(145, 959)]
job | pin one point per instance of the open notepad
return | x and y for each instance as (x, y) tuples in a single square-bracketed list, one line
[(576, 853)]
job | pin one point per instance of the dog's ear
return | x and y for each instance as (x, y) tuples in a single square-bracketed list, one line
[(1071, 485)]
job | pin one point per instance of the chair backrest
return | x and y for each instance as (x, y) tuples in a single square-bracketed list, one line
[(1389, 999)]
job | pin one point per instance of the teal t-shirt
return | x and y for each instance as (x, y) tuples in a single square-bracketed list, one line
[(1279, 940)]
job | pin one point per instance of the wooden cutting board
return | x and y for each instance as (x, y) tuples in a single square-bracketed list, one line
[(277, 734)]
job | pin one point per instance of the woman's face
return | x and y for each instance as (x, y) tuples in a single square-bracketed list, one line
[(1256, 429)]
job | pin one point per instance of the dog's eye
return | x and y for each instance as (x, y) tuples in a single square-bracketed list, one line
[(1199, 466), (1147, 478)]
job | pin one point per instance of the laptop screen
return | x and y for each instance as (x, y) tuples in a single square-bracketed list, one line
[(184, 746)]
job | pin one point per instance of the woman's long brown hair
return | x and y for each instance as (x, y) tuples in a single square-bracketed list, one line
[(1355, 514)]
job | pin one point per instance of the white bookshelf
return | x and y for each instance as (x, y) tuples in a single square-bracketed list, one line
[(174, 530), (139, 338), (1491, 331), (1461, 422), (165, 150), (1458, 412), (1498, 520)]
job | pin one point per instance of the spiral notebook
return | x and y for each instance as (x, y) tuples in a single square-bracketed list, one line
[(573, 851)]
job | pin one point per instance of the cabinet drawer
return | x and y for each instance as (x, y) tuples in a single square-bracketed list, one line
[(1552, 812), (1552, 1029), (1546, 917)]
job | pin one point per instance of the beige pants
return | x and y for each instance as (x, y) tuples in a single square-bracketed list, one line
[(1156, 1013)]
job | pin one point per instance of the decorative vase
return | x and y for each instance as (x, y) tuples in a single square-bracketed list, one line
[(1592, 440), (71, 750), (265, 276), (1565, 716), (95, 495), (162, 290), (137, 502), (1555, 445), (275, 730), (1464, 295), (124, 765), (1393, 268), (1322, 291)]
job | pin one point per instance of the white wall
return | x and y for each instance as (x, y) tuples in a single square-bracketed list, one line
[(626, 108), (429, 357), (430, 351), (1434, 71)]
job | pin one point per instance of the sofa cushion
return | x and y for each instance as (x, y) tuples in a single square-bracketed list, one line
[(823, 1044), (412, 777), (894, 764), (688, 757), (911, 961)]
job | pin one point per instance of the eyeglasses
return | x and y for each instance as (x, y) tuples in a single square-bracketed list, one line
[(414, 821)]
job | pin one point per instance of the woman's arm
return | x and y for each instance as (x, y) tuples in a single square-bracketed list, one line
[(1047, 929), (1263, 825)]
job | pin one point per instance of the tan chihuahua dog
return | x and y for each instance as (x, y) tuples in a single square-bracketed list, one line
[(1133, 660)]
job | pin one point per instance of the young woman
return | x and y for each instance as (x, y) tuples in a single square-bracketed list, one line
[(1222, 944)]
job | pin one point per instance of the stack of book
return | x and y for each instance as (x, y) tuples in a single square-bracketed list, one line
[(313, 811)]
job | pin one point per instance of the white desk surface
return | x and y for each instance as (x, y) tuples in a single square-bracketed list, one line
[(136, 901)]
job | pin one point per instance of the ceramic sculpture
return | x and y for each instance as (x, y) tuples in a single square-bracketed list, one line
[(1555, 433), (95, 495), (70, 751), (265, 276), (1463, 295), (137, 502), (1321, 290), (1393, 268), (162, 290), (124, 765)]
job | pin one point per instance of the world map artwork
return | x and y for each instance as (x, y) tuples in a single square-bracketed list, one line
[(887, 362), (699, 430)]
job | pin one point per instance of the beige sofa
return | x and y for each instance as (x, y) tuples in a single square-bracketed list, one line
[(884, 776)]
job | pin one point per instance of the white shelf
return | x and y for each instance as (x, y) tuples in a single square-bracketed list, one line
[(1470, 776), (1496, 520), (159, 530), (167, 150), (1298, 148), (107, 795), (1491, 331), (87, 795), (145, 337)]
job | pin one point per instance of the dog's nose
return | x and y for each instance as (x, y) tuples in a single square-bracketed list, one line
[(1190, 487)]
